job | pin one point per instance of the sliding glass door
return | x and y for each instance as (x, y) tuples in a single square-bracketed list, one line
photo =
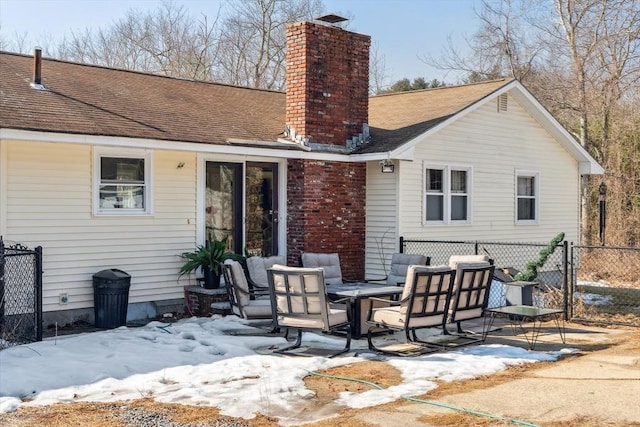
[(241, 202)]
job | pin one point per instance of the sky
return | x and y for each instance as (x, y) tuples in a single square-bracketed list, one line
[(402, 30), (192, 361)]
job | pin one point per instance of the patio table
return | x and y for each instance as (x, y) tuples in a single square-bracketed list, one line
[(519, 314), (359, 294)]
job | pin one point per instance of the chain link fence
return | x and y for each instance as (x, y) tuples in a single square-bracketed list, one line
[(509, 258), (20, 294), (598, 284), (606, 284)]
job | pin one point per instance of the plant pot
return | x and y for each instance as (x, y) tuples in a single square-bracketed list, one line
[(211, 278), (519, 293)]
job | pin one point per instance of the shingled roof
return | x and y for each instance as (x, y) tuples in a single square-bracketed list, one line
[(85, 99), (92, 100), (399, 117)]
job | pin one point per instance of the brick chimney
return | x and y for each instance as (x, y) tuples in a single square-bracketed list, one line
[(327, 105), (327, 80)]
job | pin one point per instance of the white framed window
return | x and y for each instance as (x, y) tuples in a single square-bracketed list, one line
[(434, 195), (122, 182), (527, 197), (447, 197)]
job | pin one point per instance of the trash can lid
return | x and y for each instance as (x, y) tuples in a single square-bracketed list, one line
[(112, 274)]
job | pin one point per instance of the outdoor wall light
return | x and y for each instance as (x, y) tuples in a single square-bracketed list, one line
[(387, 166)]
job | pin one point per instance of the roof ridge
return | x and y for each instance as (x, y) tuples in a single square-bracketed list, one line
[(504, 79), (142, 73)]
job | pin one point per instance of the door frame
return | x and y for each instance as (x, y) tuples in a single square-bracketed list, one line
[(201, 183)]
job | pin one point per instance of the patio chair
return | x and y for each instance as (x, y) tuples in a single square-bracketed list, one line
[(329, 262), (300, 301), (424, 304), (400, 262), (257, 267), (469, 299), (245, 302)]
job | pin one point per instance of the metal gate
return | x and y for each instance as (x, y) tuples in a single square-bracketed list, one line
[(606, 284), (20, 294)]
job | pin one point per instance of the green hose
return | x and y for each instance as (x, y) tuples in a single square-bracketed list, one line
[(164, 328), (431, 402)]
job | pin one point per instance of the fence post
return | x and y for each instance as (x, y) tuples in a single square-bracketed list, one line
[(1, 281), (568, 310), (475, 247), (38, 293), (401, 244)]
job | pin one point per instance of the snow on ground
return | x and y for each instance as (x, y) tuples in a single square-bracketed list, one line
[(194, 362)]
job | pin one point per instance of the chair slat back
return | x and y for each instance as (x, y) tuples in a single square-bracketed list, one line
[(426, 294), (298, 293), (471, 293)]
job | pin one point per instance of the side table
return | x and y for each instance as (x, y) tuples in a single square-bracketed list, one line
[(519, 314)]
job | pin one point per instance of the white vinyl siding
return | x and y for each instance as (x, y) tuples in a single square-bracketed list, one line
[(381, 220), (495, 145), (49, 204)]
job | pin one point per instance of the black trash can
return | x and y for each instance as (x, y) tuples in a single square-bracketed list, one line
[(111, 297)]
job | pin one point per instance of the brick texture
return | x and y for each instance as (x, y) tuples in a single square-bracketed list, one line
[(327, 101), (198, 301), (326, 212), (327, 81)]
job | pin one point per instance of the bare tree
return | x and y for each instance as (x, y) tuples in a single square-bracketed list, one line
[(501, 46), (377, 70), (253, 40), (581, 59), (165, 41), (20, 42), (601, 41)]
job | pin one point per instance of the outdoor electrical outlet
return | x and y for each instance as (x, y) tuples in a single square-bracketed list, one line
[(64, 298)]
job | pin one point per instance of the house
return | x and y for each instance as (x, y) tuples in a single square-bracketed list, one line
[(107, 168)]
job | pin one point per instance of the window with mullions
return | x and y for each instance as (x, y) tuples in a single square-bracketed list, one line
[(447, 195), (527, 184), (435, 195), (122, 184)]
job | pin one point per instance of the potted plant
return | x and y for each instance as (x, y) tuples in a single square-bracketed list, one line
[(209, 258)]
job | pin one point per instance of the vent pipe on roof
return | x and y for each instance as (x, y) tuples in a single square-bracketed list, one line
[(37, 69), (37, 66)]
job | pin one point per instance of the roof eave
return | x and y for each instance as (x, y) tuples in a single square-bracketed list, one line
[(409, 147), (587, 164)]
